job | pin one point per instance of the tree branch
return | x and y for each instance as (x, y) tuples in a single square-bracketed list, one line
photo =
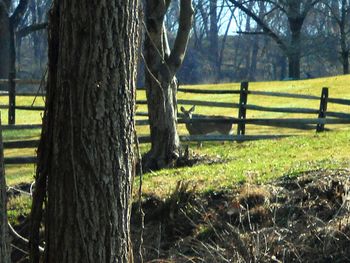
[(179, 49), (262, 24), (23, 32), (251, 33), (18, 13), (23, 240)]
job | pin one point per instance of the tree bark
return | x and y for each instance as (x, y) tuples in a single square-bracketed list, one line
[(344, 46), (160, 82), (4, 43), (294, 49), (4, 239), (345, 60), (85, 155), (7, 40), (214, 39)]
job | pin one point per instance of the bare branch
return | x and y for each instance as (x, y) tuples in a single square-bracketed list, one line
[(262, 24), (23, 240), (18, 13), (23, 32), (178, 51)]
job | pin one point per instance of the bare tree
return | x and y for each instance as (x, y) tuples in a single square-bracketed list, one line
[(213, 37), (34, 25), (8, 24), (86, 160), (160, 81), (339, 12), (211, 26), (295, 12)]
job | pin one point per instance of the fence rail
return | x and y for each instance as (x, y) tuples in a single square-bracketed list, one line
[(322, 116), (22, 81)]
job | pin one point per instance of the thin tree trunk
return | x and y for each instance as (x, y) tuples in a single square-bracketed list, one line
[(160, 82), (214, 39), (283, 67), (86, 151), (345, 60), (254, 60), (4, 44), (343, 37), (4, 239)]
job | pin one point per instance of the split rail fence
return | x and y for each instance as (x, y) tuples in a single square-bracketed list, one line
[(322, 116)]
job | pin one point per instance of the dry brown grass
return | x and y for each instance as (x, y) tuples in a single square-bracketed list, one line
[(300, 219)]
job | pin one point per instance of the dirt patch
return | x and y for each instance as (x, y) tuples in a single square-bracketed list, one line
[(189, 158), (192, 158), (300, 219)]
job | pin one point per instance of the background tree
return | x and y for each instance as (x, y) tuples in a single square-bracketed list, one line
[(296, 12), (339, 13), (86, 155), (4, 40), (32, 31), (160, 82), (8, 24), (211, 25)]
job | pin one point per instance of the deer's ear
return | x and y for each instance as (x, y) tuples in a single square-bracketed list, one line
[(183, 109), (193, 108)]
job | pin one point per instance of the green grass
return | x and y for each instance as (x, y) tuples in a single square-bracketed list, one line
[(17, 207), (258, 161)]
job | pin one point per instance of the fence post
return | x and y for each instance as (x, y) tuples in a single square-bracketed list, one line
[(12, 99), (242, 109), (323, 109)]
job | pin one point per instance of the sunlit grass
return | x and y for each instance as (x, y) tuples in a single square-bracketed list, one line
[(339, 87), (16, 174), (18, 207), (258, 161)]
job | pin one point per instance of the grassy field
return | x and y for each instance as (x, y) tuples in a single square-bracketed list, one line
[(200, 215), (257, 161)]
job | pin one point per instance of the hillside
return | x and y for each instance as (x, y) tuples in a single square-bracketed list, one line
[(286, 199)]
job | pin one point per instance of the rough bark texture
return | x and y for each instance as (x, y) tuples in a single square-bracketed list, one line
[(86, 151), (4, 241), (161, 85)]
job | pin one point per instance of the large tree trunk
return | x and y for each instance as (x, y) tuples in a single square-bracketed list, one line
[(160, 82), (86, 149), (294, 49), (4, 240), (345, 61), (5, 36), (294, 65)]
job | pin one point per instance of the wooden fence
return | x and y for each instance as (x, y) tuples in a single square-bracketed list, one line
[(318, 123)]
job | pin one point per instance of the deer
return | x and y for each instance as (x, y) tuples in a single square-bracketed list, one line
[(198, 128)]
